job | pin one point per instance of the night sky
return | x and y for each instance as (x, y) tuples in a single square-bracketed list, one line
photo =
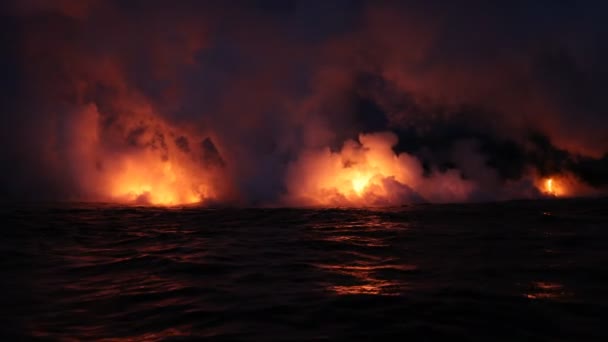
[(263, 102)]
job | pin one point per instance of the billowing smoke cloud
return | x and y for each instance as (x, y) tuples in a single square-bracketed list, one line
[(302, 103), (368, 172)]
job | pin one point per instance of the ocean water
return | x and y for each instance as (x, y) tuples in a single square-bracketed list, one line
[(514, 271)]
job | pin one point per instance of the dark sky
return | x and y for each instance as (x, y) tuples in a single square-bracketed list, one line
[(241, 89)]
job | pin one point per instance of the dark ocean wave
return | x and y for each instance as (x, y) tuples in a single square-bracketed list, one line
[(502, 272)]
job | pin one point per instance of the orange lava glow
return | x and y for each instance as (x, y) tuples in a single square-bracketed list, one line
[(547, 291), (553, 186), (563, 185), (368, 173), (160, 183), (148, 171)]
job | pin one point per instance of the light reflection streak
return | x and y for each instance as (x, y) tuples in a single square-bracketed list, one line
[(368, 283), (547, 291), (366, 274), (128, 274)]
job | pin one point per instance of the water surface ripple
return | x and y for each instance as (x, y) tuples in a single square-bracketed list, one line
[(479, 272)]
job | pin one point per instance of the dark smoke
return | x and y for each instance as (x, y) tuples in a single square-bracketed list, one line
[(494, 91)]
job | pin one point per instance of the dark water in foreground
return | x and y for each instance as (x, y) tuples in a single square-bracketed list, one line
[(485, 272)]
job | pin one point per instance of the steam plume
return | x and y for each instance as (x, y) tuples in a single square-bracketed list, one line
[(302, 103)]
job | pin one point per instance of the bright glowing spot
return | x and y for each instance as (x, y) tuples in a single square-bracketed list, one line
[(149, 181), (367, 172), (549, 186), (359, 183), (553, 186), (547, 291)]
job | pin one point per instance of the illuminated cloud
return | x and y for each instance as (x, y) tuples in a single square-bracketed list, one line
[(306, 103)]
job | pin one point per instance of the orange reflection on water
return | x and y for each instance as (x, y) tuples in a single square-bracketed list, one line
[(167, 334), (115, 281), (368, 273), (358, 241), (546, 290), (367, 282)]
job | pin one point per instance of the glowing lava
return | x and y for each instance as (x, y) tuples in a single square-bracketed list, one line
[(138, 161), (549, 186), (360, 183), (553, 186), (144, 178), (368, 173), (156, 183)]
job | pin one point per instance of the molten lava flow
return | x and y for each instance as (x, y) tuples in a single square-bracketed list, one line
[(157, 183), (368, 173), (142, 179), (360, 182), (137, 160), (564, 185), (549, 186), (553, 186)]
